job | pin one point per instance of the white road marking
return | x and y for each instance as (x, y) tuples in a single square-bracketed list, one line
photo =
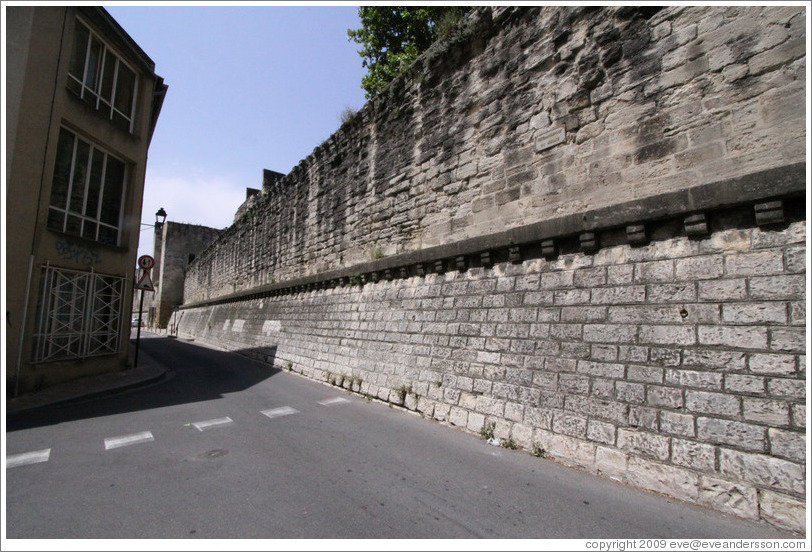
[(28, 458), (125, 440), (336, 400), (211, 423), (281, 411)]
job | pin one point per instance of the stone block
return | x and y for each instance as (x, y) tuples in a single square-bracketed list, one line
[(619, 295), (766, 411), (633, 393), (772, 364), (704, 267), (718, 404), (458, 416), (763, 470), (788, 444), (744, 384), (523, 435), (475, 422), (490, 406), (670, 480), (665, 397), (758, 263), (645, 374), (610, 333), (667, 335), (567, 424), (654, 271), (780, 287), (746, 337), (643, 443), (601, 369), (787, 388), (677, 424), (783, 511), (541, 418), (755, 313), (569, 449), (691, 454), (726, 496), (730, 432), (671, 293), (602, 432), (788, 339), (711, 381), (723, 290), (611, 462)]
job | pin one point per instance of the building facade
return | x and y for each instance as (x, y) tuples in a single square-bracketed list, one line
[(82, 103)]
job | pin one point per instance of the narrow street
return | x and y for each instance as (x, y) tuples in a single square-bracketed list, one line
[(226, 447)]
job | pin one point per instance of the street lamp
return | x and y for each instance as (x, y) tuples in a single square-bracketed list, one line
[(160, 218)]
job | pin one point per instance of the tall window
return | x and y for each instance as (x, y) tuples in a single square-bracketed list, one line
[(79, 315), (87, 191), (101, 78)]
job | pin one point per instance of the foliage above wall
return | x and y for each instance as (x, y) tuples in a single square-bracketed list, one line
[(393, 37)]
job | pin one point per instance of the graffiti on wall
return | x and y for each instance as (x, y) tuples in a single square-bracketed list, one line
[(81, 254)]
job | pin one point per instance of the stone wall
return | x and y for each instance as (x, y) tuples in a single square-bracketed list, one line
[(586, 226), (528, 115), (179, 244)]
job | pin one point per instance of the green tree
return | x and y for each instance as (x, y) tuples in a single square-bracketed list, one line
[(392, 37)]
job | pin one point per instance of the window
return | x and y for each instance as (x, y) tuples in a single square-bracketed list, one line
[(87, 191), (78, 316), (101, 78)]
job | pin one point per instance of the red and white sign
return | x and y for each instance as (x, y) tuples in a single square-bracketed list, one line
[(144, 281), (146, 262)]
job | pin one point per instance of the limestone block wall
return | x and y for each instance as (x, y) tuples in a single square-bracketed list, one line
[(585, 225), (528, 115)]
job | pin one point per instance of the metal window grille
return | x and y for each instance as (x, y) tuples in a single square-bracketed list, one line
[(79, 315)]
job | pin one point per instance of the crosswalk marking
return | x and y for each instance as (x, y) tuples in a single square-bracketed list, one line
[(28, 458), (281, 411), (212, 423), (335, 400), (125, 440)]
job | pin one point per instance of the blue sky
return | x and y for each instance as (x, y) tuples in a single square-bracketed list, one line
[(250, 87)]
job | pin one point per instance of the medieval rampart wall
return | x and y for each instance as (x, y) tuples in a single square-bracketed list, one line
[(586, 226)]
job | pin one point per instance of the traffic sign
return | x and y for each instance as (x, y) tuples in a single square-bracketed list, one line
[(146, 262), (145, 282)]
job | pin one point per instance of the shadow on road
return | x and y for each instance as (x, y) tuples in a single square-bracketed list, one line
[(194, 374)]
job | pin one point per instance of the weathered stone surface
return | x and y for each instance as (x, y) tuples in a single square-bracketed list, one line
[(760, 469), (783, 511), (788, 444), (662, 478), (726, 496)]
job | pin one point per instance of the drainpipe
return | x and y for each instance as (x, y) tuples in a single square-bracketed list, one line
[(22, 326)]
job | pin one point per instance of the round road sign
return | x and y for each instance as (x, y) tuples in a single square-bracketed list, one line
[(146, 262)]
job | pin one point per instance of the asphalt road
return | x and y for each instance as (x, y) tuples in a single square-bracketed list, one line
[(229, 448)]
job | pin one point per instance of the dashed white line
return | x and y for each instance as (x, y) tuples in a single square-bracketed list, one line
[(28, 458), (212, 423), (281, 411), (336, 400), (125, 440)]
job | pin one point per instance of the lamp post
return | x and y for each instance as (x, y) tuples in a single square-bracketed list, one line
[(160, 219)]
